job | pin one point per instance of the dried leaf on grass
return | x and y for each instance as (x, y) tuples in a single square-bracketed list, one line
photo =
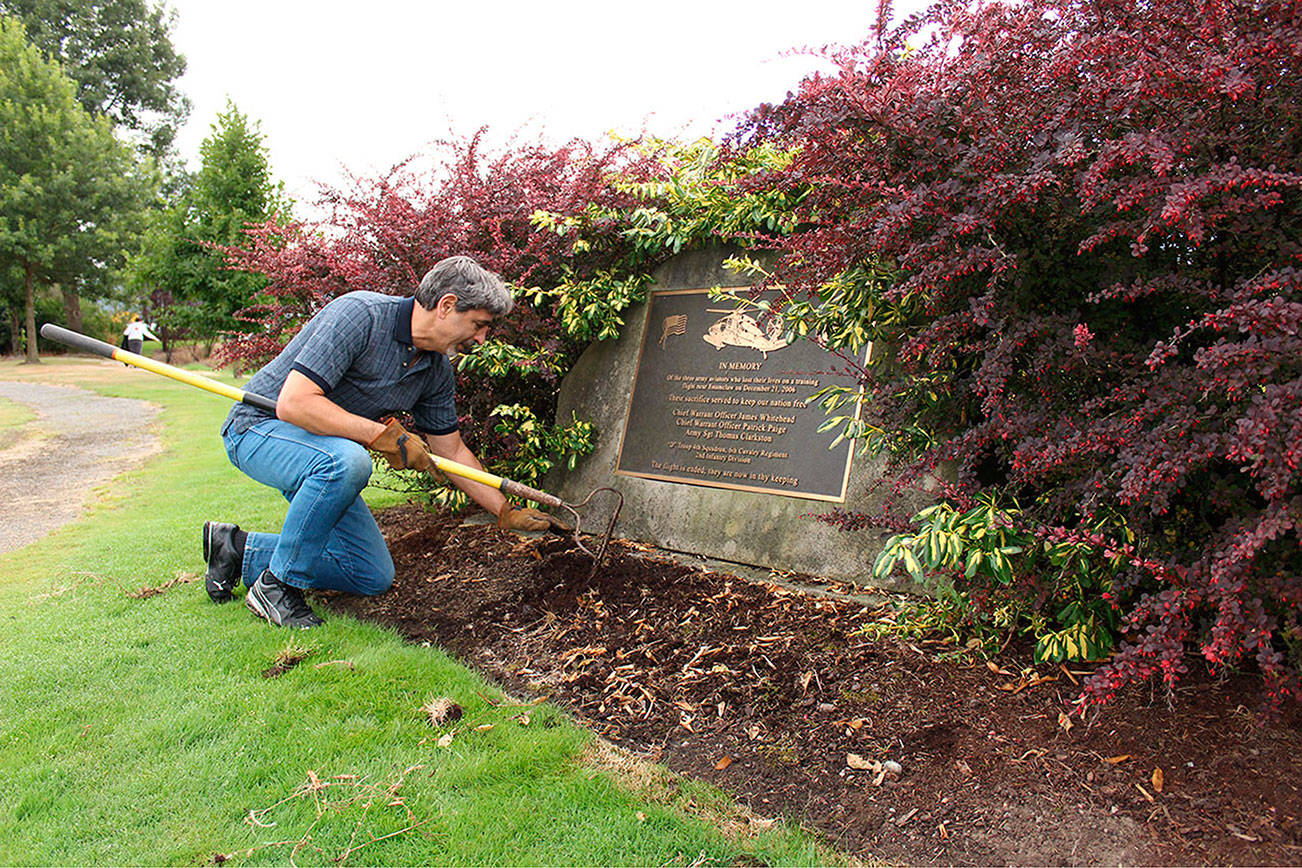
[(286, 659), (441, 711), (144, 593)]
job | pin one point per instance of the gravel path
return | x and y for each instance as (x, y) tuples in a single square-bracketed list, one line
[(78, 441)]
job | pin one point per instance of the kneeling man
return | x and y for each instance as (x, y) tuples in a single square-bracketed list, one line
[(364, 357)]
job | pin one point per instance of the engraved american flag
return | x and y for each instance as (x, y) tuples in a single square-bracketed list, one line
[(674, 325)]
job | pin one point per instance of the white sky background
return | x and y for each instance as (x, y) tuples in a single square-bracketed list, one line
[(360, 86)]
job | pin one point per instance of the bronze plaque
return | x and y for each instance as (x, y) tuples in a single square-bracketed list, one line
[(719, 399)]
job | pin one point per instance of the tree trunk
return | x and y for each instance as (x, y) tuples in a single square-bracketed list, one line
[(15, 332), (72, 308), (33, 357)]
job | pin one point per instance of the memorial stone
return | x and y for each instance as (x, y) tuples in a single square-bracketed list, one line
[(701, 423), (720, 398)]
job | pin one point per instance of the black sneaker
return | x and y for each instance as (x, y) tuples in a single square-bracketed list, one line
[(224, 557), (280, 604)]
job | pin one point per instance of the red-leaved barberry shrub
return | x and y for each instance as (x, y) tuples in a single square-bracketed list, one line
[(383, 233), (1096, 213)]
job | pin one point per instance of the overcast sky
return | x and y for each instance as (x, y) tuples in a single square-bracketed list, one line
[(362, 85)]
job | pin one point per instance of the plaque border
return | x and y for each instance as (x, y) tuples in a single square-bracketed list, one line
[(727, 486)]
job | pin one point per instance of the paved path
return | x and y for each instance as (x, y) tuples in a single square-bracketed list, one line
[(78, 441)]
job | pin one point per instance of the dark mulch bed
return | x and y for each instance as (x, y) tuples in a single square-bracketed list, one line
[(773, 695)]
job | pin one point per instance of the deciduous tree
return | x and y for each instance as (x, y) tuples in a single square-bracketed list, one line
[(120, 54), (68, 188)]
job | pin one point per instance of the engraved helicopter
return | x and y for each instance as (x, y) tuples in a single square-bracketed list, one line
[(738, 329)]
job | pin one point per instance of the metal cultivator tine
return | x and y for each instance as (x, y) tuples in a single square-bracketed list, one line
[(599, 556)]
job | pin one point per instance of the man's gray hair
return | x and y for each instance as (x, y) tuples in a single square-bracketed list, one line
[(475, 287)]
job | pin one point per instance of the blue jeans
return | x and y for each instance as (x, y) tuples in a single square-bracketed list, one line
[(330, 539)]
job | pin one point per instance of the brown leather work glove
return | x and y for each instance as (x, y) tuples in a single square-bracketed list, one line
[(402, 449), (528, 518)]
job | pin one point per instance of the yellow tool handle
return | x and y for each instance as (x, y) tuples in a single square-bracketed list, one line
[(506, 486), (78, 341)]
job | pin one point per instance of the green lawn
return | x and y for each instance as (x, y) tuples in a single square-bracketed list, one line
[(142, 730)]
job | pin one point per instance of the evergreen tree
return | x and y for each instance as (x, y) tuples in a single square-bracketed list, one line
[(178, 266)]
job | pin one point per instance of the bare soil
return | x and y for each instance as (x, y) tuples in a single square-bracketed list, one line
[(772, 693), (50, 467)]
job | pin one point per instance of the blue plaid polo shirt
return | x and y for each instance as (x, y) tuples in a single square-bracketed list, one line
[(358, 349)]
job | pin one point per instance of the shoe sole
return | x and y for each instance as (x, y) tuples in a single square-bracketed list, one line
[(216, 592), (253, 599), (265, 611)]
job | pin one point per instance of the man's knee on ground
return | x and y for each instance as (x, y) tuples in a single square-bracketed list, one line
[(378, 580)]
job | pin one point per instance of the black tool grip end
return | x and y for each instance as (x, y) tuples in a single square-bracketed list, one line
[(76, 341)]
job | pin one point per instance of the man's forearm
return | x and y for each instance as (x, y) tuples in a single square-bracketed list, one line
[(319, 415), (486, 496)]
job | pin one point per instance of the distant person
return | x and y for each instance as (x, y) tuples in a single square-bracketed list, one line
[(363, 357), (135, 333)]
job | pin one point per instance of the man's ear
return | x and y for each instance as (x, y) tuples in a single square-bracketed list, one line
[(445, 305)]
